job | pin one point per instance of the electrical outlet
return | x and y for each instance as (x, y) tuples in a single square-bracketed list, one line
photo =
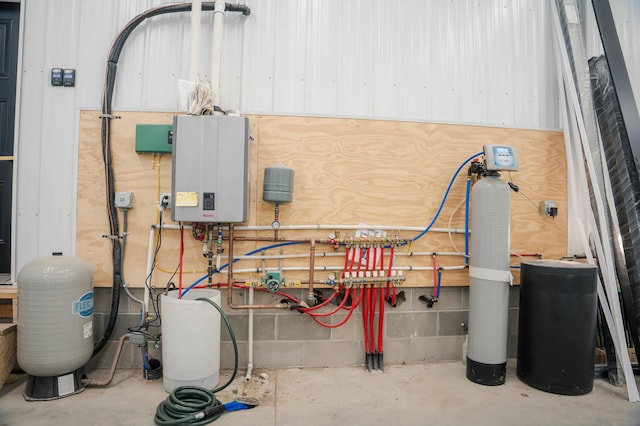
[(165, 200), (549, 208), (124, 200)]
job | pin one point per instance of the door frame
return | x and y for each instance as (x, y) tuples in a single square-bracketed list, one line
[(16, 137)]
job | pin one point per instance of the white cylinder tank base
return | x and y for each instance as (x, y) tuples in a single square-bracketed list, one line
[(489, 279), (190, 339)]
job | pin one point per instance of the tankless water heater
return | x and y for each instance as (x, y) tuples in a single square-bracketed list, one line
[(209, 181)]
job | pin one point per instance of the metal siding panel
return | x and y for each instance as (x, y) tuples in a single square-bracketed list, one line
[(467, 61), (257, 80), (32, 93), (461, 61)]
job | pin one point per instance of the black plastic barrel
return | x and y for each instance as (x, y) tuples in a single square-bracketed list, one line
[(557, 326)]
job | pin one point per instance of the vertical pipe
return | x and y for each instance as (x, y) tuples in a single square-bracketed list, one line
[(150, 251), (194, 47), (466, 221), (216, 50), (230, 268), (276, 221), (247, 377), (312, 264)]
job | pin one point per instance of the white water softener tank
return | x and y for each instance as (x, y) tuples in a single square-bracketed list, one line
[(55, 315), (190, 339), (489, 270)]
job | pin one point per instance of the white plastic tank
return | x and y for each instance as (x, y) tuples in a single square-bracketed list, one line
[(190, 339), (55, 315)]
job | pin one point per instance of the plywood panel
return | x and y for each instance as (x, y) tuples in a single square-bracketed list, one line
[(347, 172)]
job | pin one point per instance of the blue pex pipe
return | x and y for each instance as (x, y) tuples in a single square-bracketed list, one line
[(466, 221), (446, 194)]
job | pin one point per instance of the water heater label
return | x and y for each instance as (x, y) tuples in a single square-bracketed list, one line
[(88, 329), (84, 305), (186, 199)]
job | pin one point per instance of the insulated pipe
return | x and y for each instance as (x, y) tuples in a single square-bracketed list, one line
[(194, 52), (125, 286), (216, 50), (147, 293)]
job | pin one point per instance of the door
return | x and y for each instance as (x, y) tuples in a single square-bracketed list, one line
[(9, 19)]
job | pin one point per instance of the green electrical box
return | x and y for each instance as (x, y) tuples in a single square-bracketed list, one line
[(153, 138)]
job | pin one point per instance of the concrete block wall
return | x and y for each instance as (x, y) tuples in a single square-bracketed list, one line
[(413, 333)]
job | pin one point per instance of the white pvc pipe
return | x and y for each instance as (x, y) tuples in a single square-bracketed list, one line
[(216, 49), (340, 267), (194, 52), (247, 377), (147, 293), (329, 228), (347, 227)]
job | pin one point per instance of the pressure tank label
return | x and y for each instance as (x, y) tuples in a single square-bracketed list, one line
[(84, 305)]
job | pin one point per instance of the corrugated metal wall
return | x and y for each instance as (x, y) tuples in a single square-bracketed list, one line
[(468, 61), (456, 61)]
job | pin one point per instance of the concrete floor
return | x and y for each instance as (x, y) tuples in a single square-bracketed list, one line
[(437, 394)]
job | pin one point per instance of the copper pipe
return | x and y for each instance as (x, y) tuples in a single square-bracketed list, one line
[(312, 263), (230, 282), (271, 240), (107, 381)]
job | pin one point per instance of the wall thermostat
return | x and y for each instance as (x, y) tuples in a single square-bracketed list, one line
[(56, 76), (68, 78), (500, 157)]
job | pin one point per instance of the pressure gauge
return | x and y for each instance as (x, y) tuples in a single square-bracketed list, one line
[(275, 224), (332, 276)]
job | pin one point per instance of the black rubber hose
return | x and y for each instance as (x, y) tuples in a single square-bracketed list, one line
[(193, 405), (107, 100)]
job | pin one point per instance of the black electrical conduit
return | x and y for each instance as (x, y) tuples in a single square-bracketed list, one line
[(107, 98)]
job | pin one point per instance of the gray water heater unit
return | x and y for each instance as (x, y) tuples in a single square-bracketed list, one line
[(210, 180)]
